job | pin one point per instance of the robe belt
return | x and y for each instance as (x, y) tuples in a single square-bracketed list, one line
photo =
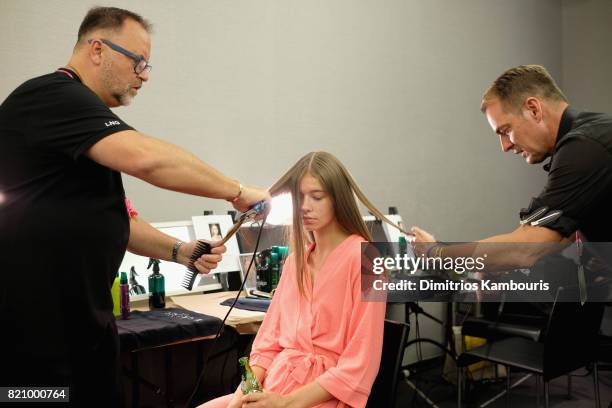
[(302, 363)]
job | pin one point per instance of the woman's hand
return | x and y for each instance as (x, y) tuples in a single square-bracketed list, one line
[(264, 399), (236, 401)]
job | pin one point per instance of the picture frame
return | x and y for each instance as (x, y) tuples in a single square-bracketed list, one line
[(204, 227)]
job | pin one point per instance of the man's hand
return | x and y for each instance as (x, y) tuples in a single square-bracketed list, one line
[(251, 196), (264, 399), (423, 240), (205, 263)]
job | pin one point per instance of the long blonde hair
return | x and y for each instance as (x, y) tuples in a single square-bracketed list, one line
[(338, 183)]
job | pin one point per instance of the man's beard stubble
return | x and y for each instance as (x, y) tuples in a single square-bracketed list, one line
[(123, 94)]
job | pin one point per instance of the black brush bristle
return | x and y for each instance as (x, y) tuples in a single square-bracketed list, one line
[(201, 248)]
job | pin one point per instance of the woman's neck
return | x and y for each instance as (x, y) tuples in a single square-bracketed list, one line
[(327, 239)]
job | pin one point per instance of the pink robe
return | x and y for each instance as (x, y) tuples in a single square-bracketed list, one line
[(331, 336)]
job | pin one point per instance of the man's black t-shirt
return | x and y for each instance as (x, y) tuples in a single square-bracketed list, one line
[(63, 222), (580, 176)]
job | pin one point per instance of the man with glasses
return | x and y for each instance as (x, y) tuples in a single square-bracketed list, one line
[(64, 226), (532, 118), (141, 69)]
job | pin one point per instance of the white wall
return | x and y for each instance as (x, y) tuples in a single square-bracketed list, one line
[(391, 87), (587, 57)]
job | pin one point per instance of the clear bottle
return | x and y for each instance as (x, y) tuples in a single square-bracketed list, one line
[(249, 382)]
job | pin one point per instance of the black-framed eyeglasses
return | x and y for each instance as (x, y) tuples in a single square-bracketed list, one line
[(140, 63)]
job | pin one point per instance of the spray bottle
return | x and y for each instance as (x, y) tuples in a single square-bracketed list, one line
[(157, 286), (135, 287)]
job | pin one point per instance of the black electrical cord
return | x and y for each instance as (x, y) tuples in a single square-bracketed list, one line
[(418, 335), (418, 340), (214, 341), (419, 353)]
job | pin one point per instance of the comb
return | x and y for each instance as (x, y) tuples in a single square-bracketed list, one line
[(201, 248), (204, 247)]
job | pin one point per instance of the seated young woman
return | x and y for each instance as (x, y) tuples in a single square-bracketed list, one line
[(320, 343)]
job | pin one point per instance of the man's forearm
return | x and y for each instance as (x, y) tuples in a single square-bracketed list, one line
[(521, 248), (162, 164), (175, 169), (145, 240)]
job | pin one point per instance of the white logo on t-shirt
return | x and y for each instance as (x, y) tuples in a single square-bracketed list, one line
[(112, 123)]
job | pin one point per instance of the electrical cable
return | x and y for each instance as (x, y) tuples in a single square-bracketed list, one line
[(418, 335), (418, 353), (222, 325), (418, 340)]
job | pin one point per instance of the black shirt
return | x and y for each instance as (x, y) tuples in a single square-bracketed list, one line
[(63, 222), (580, 176)]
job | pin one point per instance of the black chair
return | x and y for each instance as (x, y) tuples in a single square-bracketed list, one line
[(522, 319), (569, 343), (384, 389), (500, 321)]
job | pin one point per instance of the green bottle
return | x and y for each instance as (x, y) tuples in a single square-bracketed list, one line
[(403, 245), (282, 253), (249, 382), (403, 250), (274, 269), (157, 286)]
